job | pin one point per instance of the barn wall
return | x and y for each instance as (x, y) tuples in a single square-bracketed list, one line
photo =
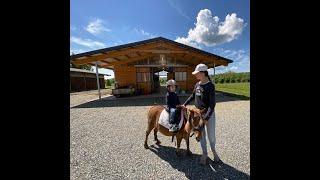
[(77, 84), (80, 81), (145, 87), (125, 75), (191, 79), (181, 84)]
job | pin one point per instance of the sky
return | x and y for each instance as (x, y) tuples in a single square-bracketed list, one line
[(217, 26)]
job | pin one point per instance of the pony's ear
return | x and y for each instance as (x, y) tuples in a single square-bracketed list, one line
[(197, 111)]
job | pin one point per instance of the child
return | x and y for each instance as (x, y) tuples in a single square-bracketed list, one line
[(172, 101)]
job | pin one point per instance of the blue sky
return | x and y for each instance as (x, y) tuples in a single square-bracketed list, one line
[(216, 26)]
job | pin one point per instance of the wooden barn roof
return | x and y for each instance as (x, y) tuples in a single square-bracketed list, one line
[(86, 71), (131, 52)]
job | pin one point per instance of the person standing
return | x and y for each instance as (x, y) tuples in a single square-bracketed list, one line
[(204, 96)]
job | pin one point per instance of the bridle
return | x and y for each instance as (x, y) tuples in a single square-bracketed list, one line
[(195, 128)]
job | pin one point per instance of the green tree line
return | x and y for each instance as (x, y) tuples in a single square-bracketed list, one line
[(84, 66), (109, 82), (231, 77)]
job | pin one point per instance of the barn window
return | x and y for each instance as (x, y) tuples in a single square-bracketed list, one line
[(143, 77), (181, 76)]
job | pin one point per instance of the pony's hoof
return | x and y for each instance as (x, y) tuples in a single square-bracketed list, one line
[(146, 146), (158, 142), (189, 153)]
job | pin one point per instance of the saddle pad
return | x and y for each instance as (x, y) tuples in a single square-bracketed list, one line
[(164, 119)]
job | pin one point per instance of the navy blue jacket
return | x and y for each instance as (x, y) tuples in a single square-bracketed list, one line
[(204, 96), (172, 100)]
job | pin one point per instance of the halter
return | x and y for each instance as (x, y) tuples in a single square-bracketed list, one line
[(198, 128)]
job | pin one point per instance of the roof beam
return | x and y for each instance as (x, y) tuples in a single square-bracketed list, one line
[(163, 51), (198, 54), (132, 59), (117, 59), (89, 59), (112, 54), (132, 50), (145, 49), (108, 55)]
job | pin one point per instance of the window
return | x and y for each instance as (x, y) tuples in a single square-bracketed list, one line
[(143, 77), (181, 76)]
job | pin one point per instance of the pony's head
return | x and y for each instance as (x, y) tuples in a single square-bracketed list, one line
[(196, 122)]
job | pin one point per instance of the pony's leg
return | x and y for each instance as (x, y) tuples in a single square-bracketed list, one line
[(189, 153), (178, 145), (155, 131), (147, 134)]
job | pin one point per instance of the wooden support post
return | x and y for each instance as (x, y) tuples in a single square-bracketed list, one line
[(98, 82), (85, 82)]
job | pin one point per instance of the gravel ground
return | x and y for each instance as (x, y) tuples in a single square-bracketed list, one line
[(107, 142), (77, 98)]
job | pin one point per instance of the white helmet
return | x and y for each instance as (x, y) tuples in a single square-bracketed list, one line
[(171, 82)]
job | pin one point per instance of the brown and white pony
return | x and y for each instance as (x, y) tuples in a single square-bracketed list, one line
[(192, 122)]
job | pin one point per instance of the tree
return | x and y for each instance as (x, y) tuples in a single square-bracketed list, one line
[(163, 80), (108, 82), (83, 66)]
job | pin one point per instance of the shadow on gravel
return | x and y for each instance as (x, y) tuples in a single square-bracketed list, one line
[(141, 102), (190, 167), (242, 97)]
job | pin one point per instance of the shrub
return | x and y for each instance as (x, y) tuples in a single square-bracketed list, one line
[(108, 82), (217, 79)]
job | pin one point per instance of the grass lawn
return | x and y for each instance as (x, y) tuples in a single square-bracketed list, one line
[(241, 89)]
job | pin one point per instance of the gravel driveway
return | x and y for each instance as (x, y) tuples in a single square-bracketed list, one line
[(107, 143)]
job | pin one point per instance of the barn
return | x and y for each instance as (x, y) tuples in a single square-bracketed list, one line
[(138, 64), (84, 80)]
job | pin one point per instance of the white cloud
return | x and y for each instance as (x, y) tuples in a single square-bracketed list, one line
[(96, 27), (210, 31), (241, 60), (176, 6), (144, 33), (77, 51), (233, 68), (187, 42), (87, 43), (235, 55)]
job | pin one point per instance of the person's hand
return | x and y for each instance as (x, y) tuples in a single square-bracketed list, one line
[(183, 106)]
